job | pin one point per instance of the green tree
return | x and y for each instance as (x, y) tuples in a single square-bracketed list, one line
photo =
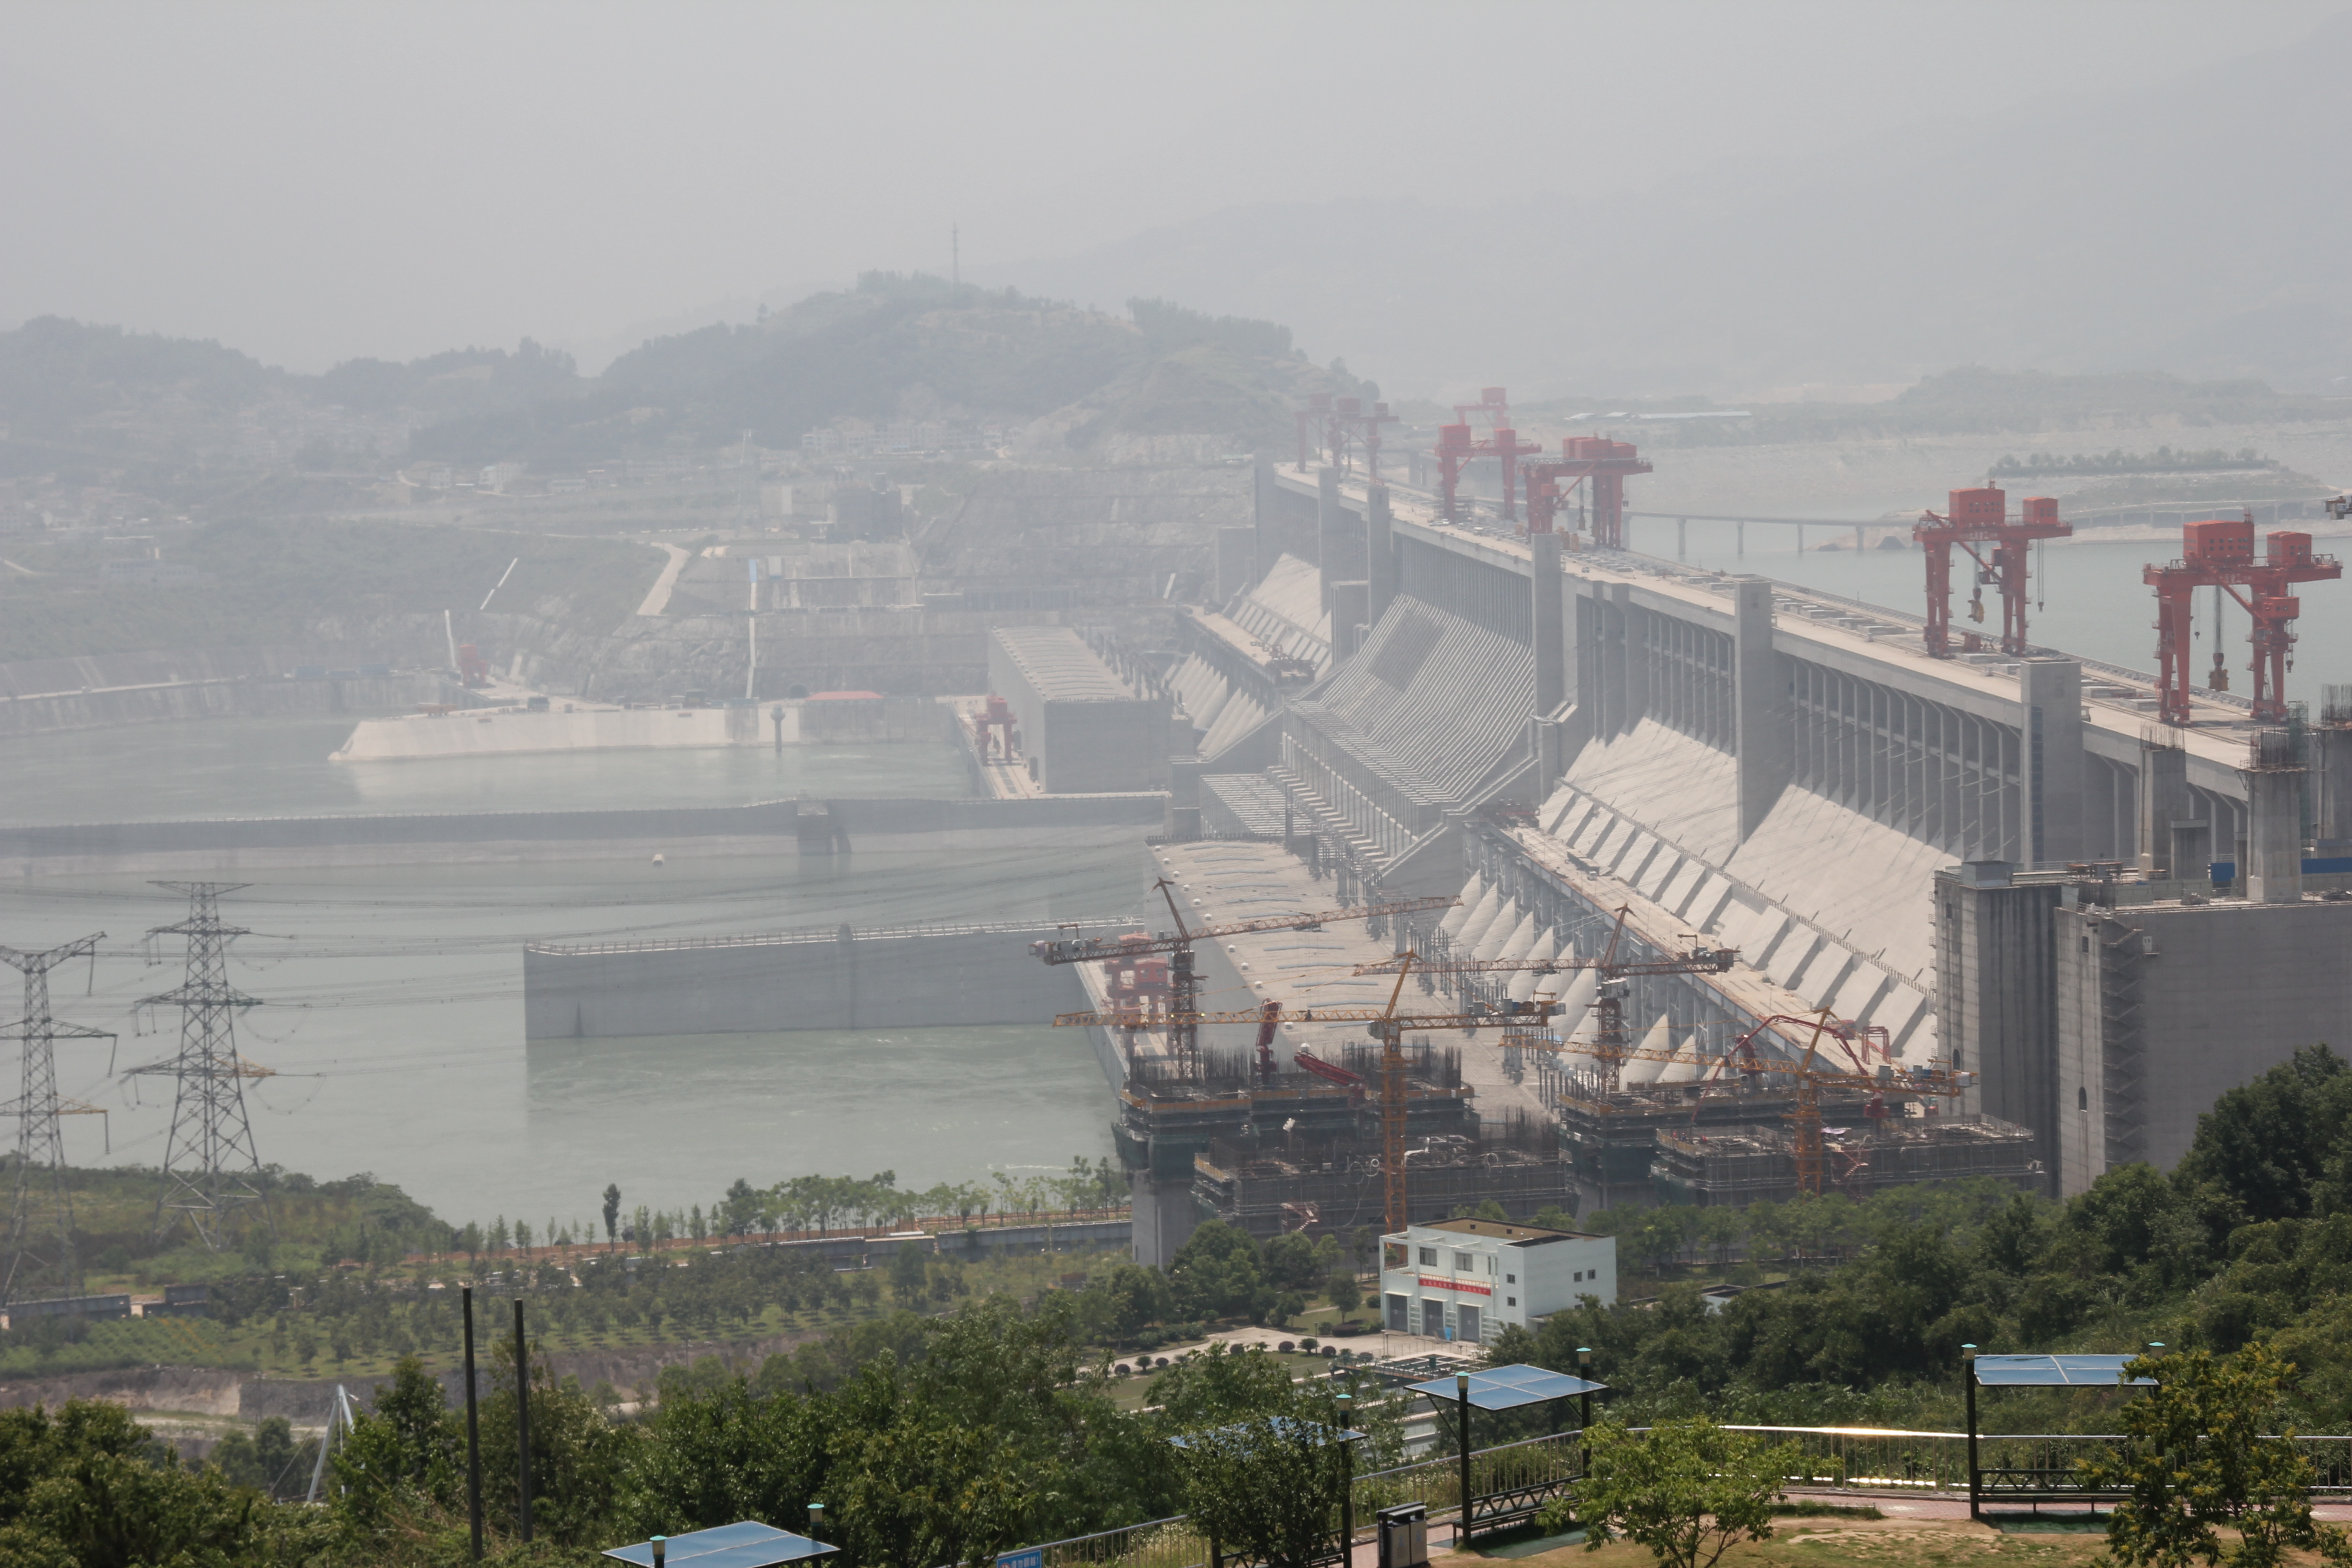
[(727, 1453), (2266, 1146), (403, 1457), (79, 1490), (1343, 1291), (910, 1284), (1216, 1273), (2195, 1458), (1269, 1487), (1685, 1489), (738, 1214), (1217, 1386)]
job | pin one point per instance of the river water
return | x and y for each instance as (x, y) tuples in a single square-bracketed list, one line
[(392, 1005)]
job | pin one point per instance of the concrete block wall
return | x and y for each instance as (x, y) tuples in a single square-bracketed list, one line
[(2162, 1007), (874, 980), (1086, 732)]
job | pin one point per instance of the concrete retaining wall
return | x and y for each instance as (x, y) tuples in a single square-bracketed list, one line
[(904, 979), (240, 696), (769, 827)]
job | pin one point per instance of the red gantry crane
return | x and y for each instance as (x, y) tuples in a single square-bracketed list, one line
[(1459, 445), (1385, 1025), (1595, 458), (2220, 553), (1978, 517), (1183, 1017)]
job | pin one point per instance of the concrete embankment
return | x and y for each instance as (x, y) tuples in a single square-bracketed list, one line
[(239, 696), (515, 731), (913, 978), (769, 827)]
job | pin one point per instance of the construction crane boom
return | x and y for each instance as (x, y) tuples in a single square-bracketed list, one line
[(1183, 979), (1888, 1082), (1505, 1012), (1698, 960), (1091, 950)]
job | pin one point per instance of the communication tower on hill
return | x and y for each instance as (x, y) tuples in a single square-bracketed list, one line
[(209, 1162), (40, 1143)]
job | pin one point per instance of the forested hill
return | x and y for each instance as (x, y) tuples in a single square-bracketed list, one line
[(198, 423)]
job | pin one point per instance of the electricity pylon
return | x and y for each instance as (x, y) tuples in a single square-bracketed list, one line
[(209, 1162), (40, 1142)]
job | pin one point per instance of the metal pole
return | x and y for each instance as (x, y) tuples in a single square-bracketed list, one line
[(1462, 1404), (522, 1416), (1347, 1487), (473, 1429), (1969, 1382)]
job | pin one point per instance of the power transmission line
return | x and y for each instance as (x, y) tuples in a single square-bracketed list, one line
[(209, 1162), (40, 1142)]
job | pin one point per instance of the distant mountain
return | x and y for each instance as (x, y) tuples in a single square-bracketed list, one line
[(2201, 228), (195, 425)]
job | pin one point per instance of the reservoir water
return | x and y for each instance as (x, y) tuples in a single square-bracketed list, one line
[(391, 997)]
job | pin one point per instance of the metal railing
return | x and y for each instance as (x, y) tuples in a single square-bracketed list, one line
[(1872, 1458), (1511, 1482)]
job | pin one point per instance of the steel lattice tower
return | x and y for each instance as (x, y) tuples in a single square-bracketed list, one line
[(40, 1142), (209, 1161)]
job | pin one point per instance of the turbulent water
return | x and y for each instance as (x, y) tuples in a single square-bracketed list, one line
[(393, 1006)]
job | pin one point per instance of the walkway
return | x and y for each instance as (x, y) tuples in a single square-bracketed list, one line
[(658, 596)]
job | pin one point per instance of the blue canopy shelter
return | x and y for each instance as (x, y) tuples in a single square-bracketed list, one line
[(745, 1544), (1503, 1388), (2036, 1372)]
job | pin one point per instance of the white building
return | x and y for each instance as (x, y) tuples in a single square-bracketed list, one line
[(1462, 1278)]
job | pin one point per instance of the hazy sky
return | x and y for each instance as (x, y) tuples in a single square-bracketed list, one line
[(314, 182)]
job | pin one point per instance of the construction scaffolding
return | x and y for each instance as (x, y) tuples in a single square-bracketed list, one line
[(1612, 1139), (1168, 1115), (1276, 1181), (1758, 1165)]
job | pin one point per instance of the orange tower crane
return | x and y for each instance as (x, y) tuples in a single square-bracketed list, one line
[(1610, 1004), (1981, 516), (2220, 554), (1183, 1015), (1385, 1025), (1886, 1082)]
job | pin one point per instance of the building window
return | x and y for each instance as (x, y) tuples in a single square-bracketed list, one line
[(1429, 1258), (1466, 1263), (1580, 1277), (2082, 1099), (1510, 1300), (1510, 1279)]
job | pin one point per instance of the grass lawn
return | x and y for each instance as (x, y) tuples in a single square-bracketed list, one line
[(1881, 1543)]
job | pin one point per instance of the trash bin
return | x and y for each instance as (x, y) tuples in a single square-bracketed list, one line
[(1404, 1536)]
